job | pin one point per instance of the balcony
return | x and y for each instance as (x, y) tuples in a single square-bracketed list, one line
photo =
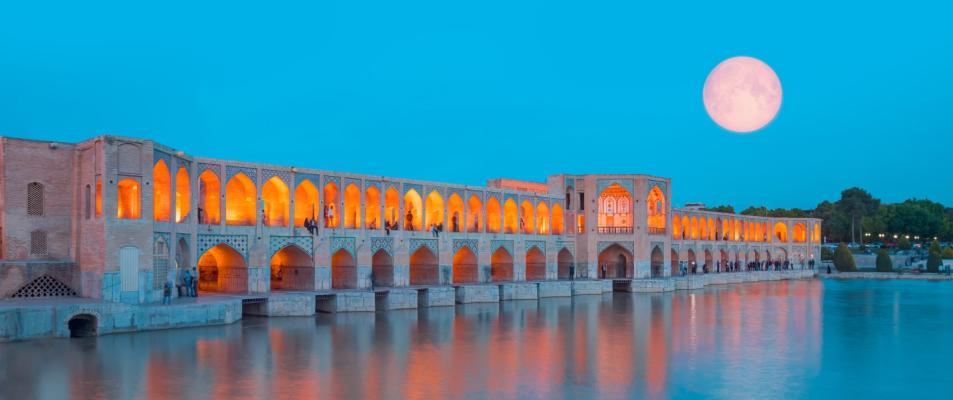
[(615, 230), (656, 231)]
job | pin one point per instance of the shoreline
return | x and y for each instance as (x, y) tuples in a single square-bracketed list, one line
[(886, 276)]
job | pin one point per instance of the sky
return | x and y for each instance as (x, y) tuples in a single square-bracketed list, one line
[(461, 92)]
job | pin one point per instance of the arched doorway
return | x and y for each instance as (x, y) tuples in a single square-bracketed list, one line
[(382, 269), (563, 263), (343, 270), (674, 269), (708, 261), (616, 262), (222, 269), (423, 267), (501, 266), (240, 198), (658, 262), (724, 260), (535, 264), (291, 269), (692, 262), (82, 325), (465, 269), (182, 255)]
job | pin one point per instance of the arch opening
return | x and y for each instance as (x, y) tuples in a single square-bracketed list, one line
[(413, 211), (275, 197), (535, 264), (559, 221), (615, 210), (423, 267), (183, 195), (392, 207), (615, 262), (129, 203), (343, 270), (161, 191), (210, 199), (382, 268), (352, 207), (474, 214), (240, 201), (292, 269), (501, 266), (657, 262), (306, 202), (372, 208), (527, 218), (330, 212), (222, 269), (455, 217), (675, 270), (655, 204), (542, 219), (82, 325), (781, 232), (465, 267), (493, 215), (564, 262), (435, 211), (510, 217)]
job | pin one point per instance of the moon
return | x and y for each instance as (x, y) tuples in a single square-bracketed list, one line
[(742, 94)]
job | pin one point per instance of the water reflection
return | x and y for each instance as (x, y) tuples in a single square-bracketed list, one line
[(754, 340)]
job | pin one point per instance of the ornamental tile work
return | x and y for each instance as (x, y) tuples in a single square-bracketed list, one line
[(277, 243), (415, 187), (628, 245), (336, 180), (602, 184), (232, 170), (285, 176), (181, 162), (506, 244), (215, 168), (343, 242), (561, 244), (237, 242), (472, 244), (654, 183), (429, 243), (540, 244), (315, 179), (382, 243), (161, 155)]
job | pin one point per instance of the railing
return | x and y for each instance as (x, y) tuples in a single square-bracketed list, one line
[(615, 229), (656, 231)]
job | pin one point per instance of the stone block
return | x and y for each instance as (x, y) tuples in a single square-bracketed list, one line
[(466, 294), (518, 291), (554, 289), (586, 287), (436, 297)]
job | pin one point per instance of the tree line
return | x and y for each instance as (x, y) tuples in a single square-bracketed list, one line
[(857, 212)]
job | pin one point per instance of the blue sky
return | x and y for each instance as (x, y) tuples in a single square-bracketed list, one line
[(465, 91)]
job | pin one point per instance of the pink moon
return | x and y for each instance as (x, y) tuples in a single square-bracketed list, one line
[(742, 94)]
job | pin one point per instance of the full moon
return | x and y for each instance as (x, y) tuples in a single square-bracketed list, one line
[(742, 94)]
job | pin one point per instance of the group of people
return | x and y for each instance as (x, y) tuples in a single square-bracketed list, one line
[(311, 225), (188, 287)]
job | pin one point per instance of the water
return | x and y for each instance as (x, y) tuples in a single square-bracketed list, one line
[(783, 340)]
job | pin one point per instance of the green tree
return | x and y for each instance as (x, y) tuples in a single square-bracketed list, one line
[(884, 263), (904, 244), (857, 203), (756, 211), (934, 262), (935, 248), (843, 259), (721, 208), (947, 254)]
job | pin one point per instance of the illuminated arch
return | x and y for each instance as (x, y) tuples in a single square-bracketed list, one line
[(781, 232), (708, 260), (128, 200), (676, 227), (501, 265), (332, 200), (686, 227), (675, 271), (799, 233), (210, 198), (372, 208), (292, 269), (465, 269), (435, 210), (559, 222), (343, 270), (817, 233), (703, 227), (423, 267), (493, 215), (542, 218), (510, 218), (240, 201), (392, 206), (535, 264), (161, 191), (616, 261), (413, 211), (222, 269), (456, 220), (694, 228), (474, 214), (183, 195), (711, 228), (382, 269), (306, 202), (615, 210), (692, 261), (657, 262), (655, 204), (275, 197), (352, 207), (719, 230), (564, 261), (527, 217)]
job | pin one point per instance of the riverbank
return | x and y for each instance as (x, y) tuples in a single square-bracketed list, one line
[(24, 319), (887, 275)]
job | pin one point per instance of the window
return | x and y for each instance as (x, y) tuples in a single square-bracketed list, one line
[(127, 199), (160, 262), (582, 201), (580, 224), (38, 243), (99, 197), (88, 200), (34, 198)]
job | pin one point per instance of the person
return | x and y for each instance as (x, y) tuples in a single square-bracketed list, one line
[(199, 215), (387, 228), (167, 293), (195, 283), (187, 281), (828, 269), (410, 220), (453, 223), (325, 215), (572, 271), (603, 271), (331, 221)]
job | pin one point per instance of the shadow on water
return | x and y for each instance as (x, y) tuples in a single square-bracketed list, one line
[(790, 339)]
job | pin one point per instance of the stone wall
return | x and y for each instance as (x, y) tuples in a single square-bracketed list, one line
[(16, 274)]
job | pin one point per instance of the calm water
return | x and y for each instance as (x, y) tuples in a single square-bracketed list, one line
[(801, 339)]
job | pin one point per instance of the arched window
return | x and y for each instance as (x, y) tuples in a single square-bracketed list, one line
[(413, 211), (183, 195), (676, 227), (781, 232), (99, 197), (276, 201), (475, 214), (655, 203), (615, 210), (129, 204), (817, 233), (493, 215), (455, 219), (542, 218), (161, 191), (210, 199), (434, 210), (694, 228), (527, 218), (240, 199), (372, 208), (392, 207), (510, 218), (703, 228), (800, 233), (352, 207), (331, 213), (34, 198), (38, 243), (306, 202), (558, 220)]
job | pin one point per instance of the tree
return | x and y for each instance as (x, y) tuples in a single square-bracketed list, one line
[(756, 211), (721, 208), (844, 260), (935, 248), (857, 203), (904, 243), (934, 262), (884, 263), (947, 254)]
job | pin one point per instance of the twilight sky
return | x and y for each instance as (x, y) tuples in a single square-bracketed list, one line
[(465, 91)]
